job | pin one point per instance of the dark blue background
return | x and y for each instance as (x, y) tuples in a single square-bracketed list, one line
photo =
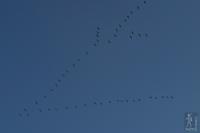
[(41, 38)]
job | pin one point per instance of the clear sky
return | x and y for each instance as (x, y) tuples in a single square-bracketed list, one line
[(98, 66)]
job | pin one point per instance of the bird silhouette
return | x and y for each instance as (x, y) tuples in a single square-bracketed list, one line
[(139, 99), (127, 100), (63, 75), (56, 84), (56, 109), (131, 12), (95, 44), (78, 59), (20, 114), (125, 20), (109, 41), (150, 97), (86, 53), (40, 110), (98, 28), (138, 7), (115, 35), (97, 40), (139, 35), (51, 90), (25, 110), (116, 30), (75, 106), (146, 35), (74, 65), (36, 102), (66, 107)]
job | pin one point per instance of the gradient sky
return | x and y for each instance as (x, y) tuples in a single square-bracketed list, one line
[(40, 39)]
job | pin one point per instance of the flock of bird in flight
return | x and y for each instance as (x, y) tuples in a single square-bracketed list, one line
[(98, 103), (98, 41)]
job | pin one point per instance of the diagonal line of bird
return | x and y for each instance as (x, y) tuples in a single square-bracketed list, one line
[(98, 103), (98, 41)]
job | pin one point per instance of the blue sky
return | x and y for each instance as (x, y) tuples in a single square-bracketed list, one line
[(41, 40)]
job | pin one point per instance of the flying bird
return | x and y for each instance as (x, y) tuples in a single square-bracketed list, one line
[(116, 30), (27, 114), (97, 40), (95, 44), (25, 110), (75, 106), (63, 75), (40, 110), (150, 97), (86, 53), (20, 114), (115, 35), (125, 20), (56, 109), (109, 41), (146, 35), (139, 35), (98, 28), (74, 65), (36, 102), (51, 90), (138, 7), (66, 107), (139, 99)]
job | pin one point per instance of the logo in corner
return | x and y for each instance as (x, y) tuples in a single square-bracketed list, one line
[(191, 122)]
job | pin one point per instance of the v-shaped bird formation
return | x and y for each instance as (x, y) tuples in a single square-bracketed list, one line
[(99, 41)]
